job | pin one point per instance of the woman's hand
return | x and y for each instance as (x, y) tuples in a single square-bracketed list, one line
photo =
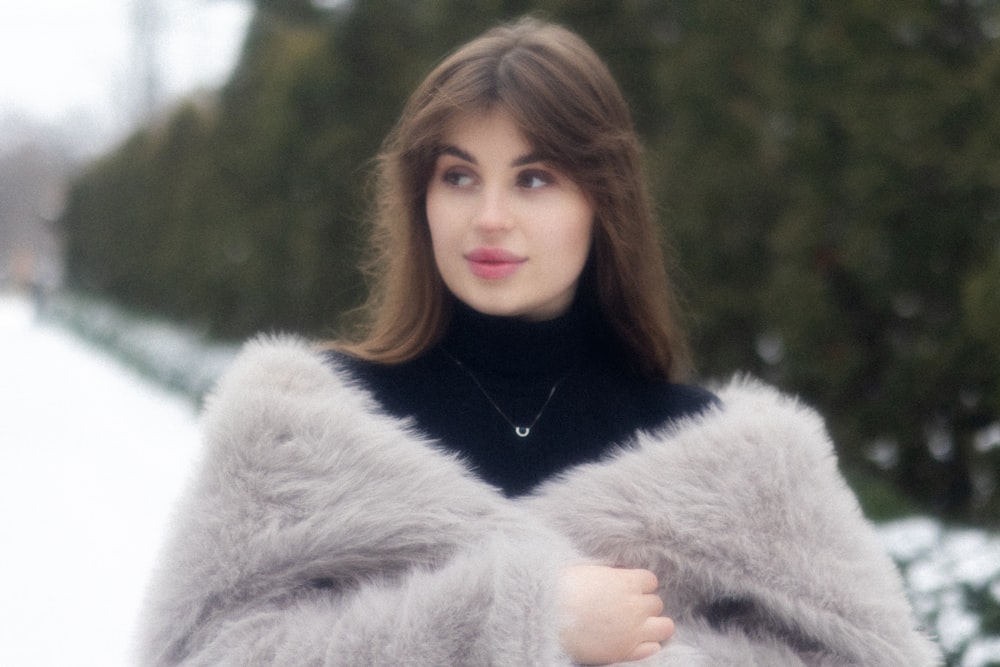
[(611, 614)]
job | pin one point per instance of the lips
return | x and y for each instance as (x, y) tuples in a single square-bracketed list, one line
[(493, 263)]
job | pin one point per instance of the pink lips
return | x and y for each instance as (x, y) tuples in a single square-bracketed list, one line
[(493, 263)]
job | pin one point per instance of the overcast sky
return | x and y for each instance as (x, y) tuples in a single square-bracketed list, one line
[(75, 61)]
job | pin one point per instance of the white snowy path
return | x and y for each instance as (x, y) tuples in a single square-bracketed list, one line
[(92, 458)]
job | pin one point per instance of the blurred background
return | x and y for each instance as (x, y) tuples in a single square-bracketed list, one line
[(177, 175)]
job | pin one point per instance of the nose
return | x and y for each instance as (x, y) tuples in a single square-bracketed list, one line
[(494, 213)]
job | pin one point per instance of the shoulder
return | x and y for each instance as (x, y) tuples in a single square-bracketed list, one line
[(287, 414), (743, 426), (688, 399), (668, 402), (290, 365), (278, 364), (766, 412), (276, 382), (271, 358), (755, 460), (369, 373), (394, 386), (753, 425)]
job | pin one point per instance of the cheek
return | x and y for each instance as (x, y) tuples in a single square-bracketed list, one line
[(579, 235), (432, 208), (436, 219), (444, 235)]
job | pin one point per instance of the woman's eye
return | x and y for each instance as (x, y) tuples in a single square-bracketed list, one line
[(457, 178), (531, 180)]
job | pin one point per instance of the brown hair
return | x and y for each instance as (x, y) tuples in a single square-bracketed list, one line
[(571, 111)]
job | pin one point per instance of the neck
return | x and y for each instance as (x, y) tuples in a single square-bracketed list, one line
[(516, 347)]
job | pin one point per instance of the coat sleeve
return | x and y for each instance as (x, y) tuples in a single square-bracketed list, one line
[(760, 546), (320, 532)]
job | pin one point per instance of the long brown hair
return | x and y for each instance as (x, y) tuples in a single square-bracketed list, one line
[(571, 111)]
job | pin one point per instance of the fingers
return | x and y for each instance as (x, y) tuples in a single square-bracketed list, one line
[(653, 604), (646, 584), (611, 614), (645, 580), (658, 629), (650, 605), (655, 632), (644, 650)]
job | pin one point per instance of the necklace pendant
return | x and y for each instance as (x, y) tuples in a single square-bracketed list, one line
[(522, 431)]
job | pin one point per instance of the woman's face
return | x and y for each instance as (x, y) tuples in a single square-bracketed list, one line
[(511, 234)]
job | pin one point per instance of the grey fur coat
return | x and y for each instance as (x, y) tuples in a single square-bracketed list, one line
[(322, 532)]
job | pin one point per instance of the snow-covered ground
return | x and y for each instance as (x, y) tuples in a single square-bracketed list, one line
[(93, 456), (91, 460)]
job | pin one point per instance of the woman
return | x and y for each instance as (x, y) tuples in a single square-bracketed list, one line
[(501, 469)]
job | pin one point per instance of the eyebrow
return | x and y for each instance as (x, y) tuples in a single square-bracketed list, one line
[(455, 151)]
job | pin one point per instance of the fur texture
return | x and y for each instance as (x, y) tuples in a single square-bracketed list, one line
[(322, 532)]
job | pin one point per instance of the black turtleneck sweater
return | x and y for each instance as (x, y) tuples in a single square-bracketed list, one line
[(490, 371)]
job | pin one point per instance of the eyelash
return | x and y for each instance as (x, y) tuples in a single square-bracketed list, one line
[(454, 176), (544, 177)]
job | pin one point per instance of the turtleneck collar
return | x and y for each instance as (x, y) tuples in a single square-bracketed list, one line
[(516, 347)]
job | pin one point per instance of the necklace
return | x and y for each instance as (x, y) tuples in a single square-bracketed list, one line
[(520, 431)]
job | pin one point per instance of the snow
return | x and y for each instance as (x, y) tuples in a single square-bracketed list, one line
[(92, 458), (941, 566), (94, 455)]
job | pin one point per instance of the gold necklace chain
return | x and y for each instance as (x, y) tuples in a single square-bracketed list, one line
[(520, 431)]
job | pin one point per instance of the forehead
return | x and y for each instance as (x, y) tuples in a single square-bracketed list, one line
[(490, 132)]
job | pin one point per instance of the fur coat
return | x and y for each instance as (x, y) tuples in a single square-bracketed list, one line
[(320, 531)]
